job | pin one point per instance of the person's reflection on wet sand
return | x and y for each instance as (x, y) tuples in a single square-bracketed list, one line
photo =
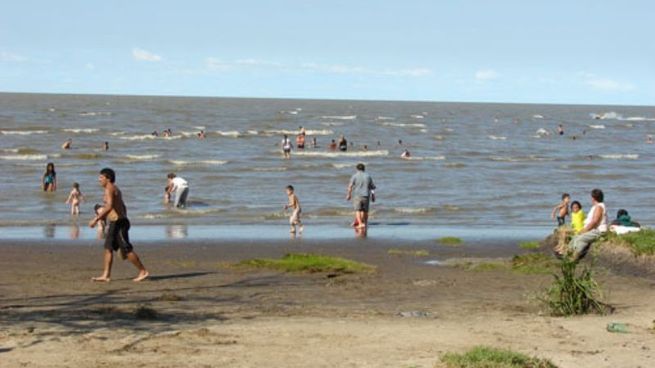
[(177, 231), (75, 231), (49, 231)]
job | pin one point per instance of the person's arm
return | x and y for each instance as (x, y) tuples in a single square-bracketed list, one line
[(54, 183), (371, 185), (104, 210), (552, 215), (595, 221), (350, 188), (70, 197), (43, 181)]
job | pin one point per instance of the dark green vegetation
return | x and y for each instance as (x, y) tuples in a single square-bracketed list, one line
[(302, 262), (529, 245), (403, 252), (450, 241), (486, 357), (575, 293)]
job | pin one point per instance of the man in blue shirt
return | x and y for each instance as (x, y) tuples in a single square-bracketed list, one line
[(360, 190)]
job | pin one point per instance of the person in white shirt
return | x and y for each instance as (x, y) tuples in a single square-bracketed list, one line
[(594, 226), (179, 188)]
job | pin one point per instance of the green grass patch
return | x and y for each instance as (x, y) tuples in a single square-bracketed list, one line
[(302, 262), (640, 243), (530, 245), (533, 263), (450, 241), (404, 252), (486, 357), (482, 266), (575, 292)]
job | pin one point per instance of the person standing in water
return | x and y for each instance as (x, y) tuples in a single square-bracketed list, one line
[(117, 239), (360, 191), (343, 144), (49, 180), (286, 146), (74, 199), (180, 188)]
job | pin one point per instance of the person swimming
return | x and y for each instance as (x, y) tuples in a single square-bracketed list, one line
[(405, 154)]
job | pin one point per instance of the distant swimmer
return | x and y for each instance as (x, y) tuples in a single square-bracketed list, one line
[(74, 199), (314, 144), (560, 129), (405, 154), (343, 144), (117, 239), (649, 139), (365, 147), (379, 144), (286, 146), (179, 188), (300, 141), (332, 146), (49, 180), (201, 134), (67, 144), (154, 133), (302, 130), (105, 146), (400, 142)]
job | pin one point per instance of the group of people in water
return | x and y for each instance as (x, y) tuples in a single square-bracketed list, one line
[(587, 228)]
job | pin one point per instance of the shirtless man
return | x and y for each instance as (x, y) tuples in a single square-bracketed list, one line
[(117, 239)]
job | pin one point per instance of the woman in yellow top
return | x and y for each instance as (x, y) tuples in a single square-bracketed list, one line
[(577, 217)]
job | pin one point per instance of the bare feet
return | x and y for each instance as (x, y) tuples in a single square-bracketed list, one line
[(100, 279), (361, 226), (142, 276)]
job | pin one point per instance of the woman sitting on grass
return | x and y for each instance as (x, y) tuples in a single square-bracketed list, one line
[(594, 226)]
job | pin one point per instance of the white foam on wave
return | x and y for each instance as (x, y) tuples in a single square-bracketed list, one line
[(343, 166), (332, 123), (10, 150), (385, 118), (294, 132), (418, 116), (23, 132), (541, 132), (600, 126), (141, 137), (24, 157), (497, 138), (81, 130), (537, 116), (95, 113), (142, 157), (426, 158), (378, 153), (199, 127), (530, 158), (117, 133), (340, 117), (638, 118), (252, 132), (619, 156), (414, 210), (229, 133), (202, 162), (405, 125), (269, 169)]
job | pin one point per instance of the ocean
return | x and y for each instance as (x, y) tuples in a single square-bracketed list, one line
[(472, 165)]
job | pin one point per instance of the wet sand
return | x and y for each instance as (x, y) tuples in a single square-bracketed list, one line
[(208, 314)]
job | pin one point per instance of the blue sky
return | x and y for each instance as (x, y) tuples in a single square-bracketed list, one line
[(580, 52)]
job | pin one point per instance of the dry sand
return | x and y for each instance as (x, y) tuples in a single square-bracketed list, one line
[(407, 314)]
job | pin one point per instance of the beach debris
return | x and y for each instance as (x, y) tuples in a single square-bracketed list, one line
[(415, 314), (145, 312), (617, 327)]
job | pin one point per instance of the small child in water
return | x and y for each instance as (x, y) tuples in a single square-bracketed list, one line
[(101, 224), (294, 204), (577, 217), (562, 209), (74, 199)]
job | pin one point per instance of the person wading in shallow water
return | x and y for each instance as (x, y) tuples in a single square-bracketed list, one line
[(360, 190), (117, 239)]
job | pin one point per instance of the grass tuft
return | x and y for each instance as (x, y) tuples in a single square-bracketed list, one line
[(403, 252), (530, 245), (533, 263), (575, 293), (302, 262), (450, 241), (486, 357)]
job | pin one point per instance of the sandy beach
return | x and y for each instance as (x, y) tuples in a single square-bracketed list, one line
[(198, 311)]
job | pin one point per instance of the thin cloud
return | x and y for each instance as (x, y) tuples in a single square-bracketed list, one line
[(144, 55), (11, 57), (486, 75), (606, 84)]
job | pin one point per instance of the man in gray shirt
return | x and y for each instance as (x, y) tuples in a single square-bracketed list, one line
[(360, 190)]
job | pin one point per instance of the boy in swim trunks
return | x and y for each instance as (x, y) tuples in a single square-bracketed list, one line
[(294, 204), (117, 239), (561, 210)]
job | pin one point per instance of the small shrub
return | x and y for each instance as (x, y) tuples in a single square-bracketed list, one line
[(486, 357), (529, 245), (450, 241), (574, 293)]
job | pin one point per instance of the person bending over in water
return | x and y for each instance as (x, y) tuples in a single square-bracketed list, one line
[(49, 180), (117, 239), (67, 144), (74, 199)]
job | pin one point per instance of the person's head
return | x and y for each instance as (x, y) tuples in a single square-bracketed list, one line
[(361, 167), (50, 168), (171, 176), (289, 189), (621, 213), (576, 206), (107, 175), (76, 185), (597, 195), (566, 197), (286, 136), (332, 141)]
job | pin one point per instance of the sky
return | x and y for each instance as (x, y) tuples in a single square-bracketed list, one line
[(572, 52)]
